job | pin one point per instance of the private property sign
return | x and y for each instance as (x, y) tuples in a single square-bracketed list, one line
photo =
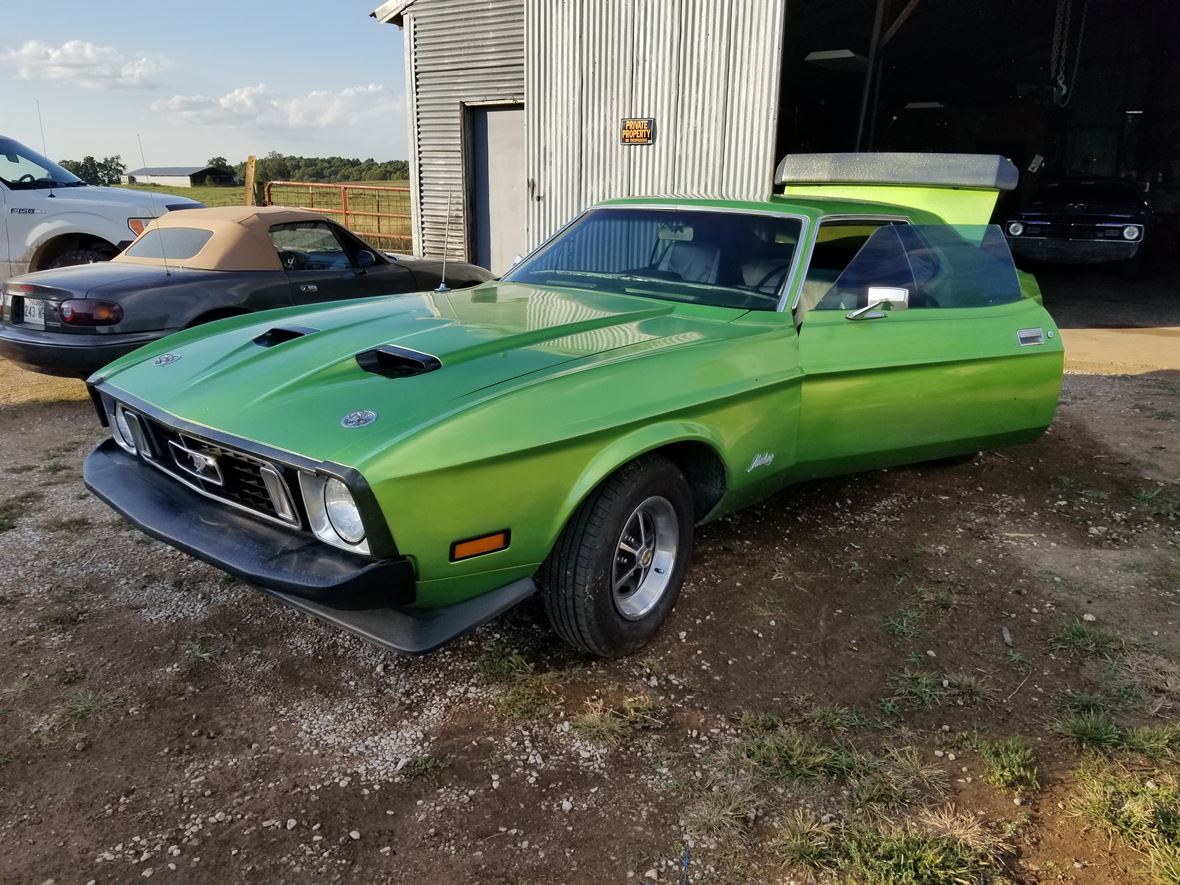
[(638, 130)]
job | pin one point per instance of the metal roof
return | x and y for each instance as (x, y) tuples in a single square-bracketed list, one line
[(173, 170), (390, 12)]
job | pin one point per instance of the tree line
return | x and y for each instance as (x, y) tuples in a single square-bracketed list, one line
[(288, 167), (273, 167)]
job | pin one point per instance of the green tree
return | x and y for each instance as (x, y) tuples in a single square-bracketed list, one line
[(219, 163), (105, 171)]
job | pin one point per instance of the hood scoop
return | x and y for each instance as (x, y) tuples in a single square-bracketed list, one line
[(393, 361), (281, 334)]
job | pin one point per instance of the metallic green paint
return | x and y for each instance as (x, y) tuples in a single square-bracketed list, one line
[(544, 392)]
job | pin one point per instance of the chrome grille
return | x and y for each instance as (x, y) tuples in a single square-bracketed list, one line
[(220, 472)]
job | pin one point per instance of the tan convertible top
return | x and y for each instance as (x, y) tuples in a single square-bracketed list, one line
[(240, 238)]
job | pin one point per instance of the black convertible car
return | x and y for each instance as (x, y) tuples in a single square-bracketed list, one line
[(192, 267), (1083, 221)]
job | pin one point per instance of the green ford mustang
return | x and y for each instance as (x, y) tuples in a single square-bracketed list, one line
[(410, 466)]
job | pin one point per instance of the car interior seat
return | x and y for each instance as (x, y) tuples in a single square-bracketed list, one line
[(692, 262)]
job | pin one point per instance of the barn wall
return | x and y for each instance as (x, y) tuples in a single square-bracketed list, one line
[(165, 180), (706, 70), (459, 51)]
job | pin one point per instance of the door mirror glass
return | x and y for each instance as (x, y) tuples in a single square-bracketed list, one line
[(896, 297), (365, 258)]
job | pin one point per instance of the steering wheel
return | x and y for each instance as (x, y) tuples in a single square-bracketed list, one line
[(292, 260), (777, 272), (27, 178)]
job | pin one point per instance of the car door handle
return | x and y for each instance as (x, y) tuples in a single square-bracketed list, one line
[(308, 287)]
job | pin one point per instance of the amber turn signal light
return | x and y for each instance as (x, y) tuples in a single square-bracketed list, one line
[(479, 546)]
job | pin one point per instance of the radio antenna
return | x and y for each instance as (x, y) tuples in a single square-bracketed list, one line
[(442, 284), (152, 210), (44, 149)]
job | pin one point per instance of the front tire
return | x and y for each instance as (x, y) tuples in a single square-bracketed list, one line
[(618, 566), (78, 256)]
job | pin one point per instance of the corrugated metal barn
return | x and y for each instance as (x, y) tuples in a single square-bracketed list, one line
[(517, 122), (525, 112)]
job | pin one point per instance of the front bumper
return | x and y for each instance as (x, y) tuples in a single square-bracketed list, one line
[(1073, 251), (364, 596), (74, 356)]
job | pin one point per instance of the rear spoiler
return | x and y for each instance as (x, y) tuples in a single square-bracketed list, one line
[(959, 188)]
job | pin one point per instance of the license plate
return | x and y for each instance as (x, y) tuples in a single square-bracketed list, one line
[(34, 314)]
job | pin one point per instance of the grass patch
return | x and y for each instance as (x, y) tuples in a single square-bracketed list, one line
[(198, 649), (830, 716), (1079, 639), (54, 466), (917, 688), (1010, 764), (1153, 741), (939, 598), (970, 687), (937, 846), (81, 707), (1159, 502), (1143, 812), (904, 624), (1090, 731), (1079, 702), (502, 664), (776, 753), (67, 524), (425, 766), (12, 510), (727, 809), (609, 724)]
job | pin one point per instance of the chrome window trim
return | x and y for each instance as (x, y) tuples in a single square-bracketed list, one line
[(903, 219), (784, 287)]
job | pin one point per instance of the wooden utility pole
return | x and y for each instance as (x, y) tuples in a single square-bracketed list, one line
[(251, 197)]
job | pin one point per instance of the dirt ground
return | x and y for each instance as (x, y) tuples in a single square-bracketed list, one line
[(840, 669)]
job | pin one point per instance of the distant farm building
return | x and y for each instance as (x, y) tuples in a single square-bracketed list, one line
[(180, 176)]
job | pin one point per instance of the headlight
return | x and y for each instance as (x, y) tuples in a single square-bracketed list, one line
[(342, 511), (332, 513), (1131, 232), (1015, 229), (122, 430)]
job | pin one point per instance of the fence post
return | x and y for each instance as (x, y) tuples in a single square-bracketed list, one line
[(344, 204), (251, 197)]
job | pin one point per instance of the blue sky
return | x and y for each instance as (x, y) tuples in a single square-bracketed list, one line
[(218, 78)]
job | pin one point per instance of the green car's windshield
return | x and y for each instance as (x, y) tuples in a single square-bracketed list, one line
[(710, 257)]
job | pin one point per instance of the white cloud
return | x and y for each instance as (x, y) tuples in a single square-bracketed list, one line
[(84, 64), (260, 107)]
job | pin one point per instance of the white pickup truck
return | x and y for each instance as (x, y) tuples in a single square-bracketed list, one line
[(51, 218)]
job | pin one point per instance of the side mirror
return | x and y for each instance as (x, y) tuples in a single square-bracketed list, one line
[(889, 297), (365, 258), (896, 297)]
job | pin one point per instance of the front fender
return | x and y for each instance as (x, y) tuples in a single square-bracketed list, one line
[(73, 222)]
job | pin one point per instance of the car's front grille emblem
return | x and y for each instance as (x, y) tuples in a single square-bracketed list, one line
[(197, 464)]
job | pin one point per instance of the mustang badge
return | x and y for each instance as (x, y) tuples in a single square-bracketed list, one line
[(359, 418)]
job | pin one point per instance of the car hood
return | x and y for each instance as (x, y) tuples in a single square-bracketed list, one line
[(137, 204), (293, 395)]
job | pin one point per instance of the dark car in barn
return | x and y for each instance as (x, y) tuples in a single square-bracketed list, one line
[(188, 268), (1083, 221)]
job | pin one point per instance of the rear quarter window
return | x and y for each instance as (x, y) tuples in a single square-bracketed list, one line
[(170, 243)]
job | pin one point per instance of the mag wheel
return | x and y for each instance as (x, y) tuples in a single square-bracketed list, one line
[(618, 566)]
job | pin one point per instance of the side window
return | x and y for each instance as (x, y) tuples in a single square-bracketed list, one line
[(960, 265), (881, 261), (309, 245), (836, 244)]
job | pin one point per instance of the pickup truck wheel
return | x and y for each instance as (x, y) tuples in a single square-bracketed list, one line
[(78, 256), (618, 566)]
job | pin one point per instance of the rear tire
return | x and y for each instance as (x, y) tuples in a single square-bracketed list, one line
[(78, 256), (617, 568)]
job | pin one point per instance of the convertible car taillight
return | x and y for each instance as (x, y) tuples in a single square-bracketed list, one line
[(87, 312)]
